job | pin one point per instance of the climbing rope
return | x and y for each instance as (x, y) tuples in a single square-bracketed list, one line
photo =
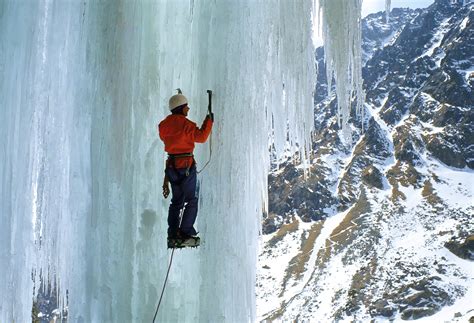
[(169, 266), (210, 154), (164, 285)]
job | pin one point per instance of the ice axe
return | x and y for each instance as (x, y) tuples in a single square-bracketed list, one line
[(211, 115), (209, 107)]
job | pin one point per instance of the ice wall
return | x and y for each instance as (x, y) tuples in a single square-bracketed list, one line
[(82, 86)]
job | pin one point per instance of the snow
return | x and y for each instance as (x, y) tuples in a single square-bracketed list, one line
[(319, 244), (430, 129), (338, 161), (270, 266), (270, 280), (468, 74), (340, 274), (436, 41), (437, 37), (464, 23), (405, 239), (464, 305), (390, 41), (414, 240), (455, 185)]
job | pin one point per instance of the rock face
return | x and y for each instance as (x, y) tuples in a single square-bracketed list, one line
[(395, 199), (462, 247), (415, 300), (372, 177)]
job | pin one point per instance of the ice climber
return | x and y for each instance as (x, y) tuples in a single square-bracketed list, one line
[(179, 135)]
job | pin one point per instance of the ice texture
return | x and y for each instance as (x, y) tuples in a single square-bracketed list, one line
[(82, 87)]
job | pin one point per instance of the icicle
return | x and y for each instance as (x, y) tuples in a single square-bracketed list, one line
[(388, 4), (342, 50)]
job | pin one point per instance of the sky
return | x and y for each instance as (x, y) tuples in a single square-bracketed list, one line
[(369, 6)]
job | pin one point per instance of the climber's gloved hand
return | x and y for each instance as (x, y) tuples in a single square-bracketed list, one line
[(166, 188), (211, 116)]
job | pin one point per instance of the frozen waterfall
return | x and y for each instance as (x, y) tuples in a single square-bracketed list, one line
[(82, 86)]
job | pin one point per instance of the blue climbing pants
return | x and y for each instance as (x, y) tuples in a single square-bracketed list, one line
[(183, 188)]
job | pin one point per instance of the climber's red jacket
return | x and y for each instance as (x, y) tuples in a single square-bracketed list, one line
[(179, 135)]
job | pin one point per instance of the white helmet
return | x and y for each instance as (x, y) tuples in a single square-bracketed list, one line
[(177, 100)]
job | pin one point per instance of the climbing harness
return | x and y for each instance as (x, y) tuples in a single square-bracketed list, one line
[(172, 160)]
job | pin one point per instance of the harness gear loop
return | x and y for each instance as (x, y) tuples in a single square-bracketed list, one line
[(172, 158)]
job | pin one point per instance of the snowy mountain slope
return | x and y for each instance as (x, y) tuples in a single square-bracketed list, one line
[(383, 228), (379, 258)]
